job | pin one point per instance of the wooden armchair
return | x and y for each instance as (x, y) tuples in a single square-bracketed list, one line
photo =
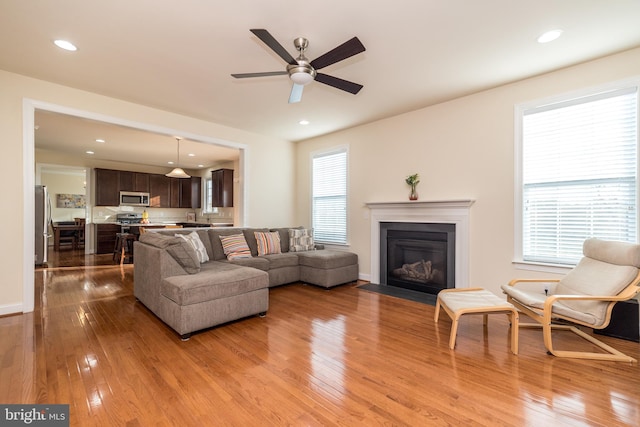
[(608, 273)]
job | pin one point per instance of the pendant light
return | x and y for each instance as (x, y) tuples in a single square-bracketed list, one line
[(177, 172)]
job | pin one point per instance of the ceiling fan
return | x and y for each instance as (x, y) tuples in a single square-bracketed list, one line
[(302, 71)]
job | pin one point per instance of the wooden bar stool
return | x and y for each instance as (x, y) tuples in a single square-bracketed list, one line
[(123, 249)]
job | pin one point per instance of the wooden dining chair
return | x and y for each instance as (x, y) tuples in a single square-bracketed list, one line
[(79, 233)]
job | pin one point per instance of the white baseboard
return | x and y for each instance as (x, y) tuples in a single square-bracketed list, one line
[(10, 309)]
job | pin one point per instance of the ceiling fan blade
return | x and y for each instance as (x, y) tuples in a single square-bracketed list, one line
[(265, 74), (344, 51), (268, 39), (338, 83), (296, 93)]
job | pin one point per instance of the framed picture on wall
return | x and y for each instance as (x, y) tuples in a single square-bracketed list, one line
[(72, 201)]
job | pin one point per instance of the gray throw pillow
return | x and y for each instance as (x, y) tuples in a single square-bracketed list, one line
[(158, 240), (185, 255), (182, 251)]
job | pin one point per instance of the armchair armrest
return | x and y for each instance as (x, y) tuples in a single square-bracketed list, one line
[(516, 281)]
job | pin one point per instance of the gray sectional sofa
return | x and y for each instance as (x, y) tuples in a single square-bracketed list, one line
[(189, 295)]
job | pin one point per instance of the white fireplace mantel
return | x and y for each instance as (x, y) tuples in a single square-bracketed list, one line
[(438, 211)]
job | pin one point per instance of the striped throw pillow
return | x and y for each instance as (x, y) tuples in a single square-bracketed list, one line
[(235, 246), (268, 243), (301, 240)]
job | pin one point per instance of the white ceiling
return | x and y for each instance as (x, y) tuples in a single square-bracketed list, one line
[(178, 56), (75, 136)]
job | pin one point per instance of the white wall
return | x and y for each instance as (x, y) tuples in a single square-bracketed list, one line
[(461, 149), (268, 188), (64, 183)]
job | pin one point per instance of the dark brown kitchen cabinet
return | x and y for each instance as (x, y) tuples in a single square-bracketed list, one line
[(159, 191), (185, 192), (107, 187), (196, 192), (106, 237), (222, 188), (175, 191), (134, 181), (190, 192)]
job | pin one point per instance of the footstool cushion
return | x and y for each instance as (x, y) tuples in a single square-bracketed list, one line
[(457, 302)]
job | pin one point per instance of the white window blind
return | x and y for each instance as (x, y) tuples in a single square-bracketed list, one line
[(579, 175), (329, 197), (208, 194)]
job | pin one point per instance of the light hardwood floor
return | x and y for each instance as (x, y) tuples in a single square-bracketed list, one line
[(320, 357)]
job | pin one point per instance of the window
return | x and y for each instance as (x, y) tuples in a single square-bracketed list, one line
[(578, 174), (208, 195), (329, 196)]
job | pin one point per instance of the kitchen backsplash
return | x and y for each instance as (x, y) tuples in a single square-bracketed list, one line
[(102, 214)]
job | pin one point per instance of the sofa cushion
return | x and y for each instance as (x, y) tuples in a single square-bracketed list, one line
[(268, 242), (216, 280), (182, 251), (255, 262), (194, 239), (282, 260), (326, 259), (249, 235), (235, 246), (301, 240)]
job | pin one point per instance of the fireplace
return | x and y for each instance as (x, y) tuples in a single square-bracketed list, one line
[(454, 213), (417, 256)]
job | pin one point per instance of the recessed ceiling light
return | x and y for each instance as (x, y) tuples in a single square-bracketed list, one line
[(304, 122), (170, 162), (200, 166), (90, 152), (101, 141), (63, 44), (549, 36), (191, 155)]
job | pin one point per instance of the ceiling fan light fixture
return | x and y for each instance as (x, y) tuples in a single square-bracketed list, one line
[(178, 172), (302, 78)]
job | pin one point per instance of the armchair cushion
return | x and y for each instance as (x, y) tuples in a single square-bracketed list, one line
[(537, 300), (596, 278), (619, 253)]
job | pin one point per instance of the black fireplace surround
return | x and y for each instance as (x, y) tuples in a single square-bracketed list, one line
[(418, 256)]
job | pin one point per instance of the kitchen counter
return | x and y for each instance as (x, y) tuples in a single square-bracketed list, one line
[(193, 224)]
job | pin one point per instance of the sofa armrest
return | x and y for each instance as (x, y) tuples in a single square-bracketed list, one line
[(152, 265)]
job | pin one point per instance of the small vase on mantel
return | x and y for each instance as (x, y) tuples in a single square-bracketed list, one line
[(413, 181), (414, 194)]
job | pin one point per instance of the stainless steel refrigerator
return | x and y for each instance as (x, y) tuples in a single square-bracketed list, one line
[(43, 217)]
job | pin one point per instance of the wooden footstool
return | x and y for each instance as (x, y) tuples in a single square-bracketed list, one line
[(457, 302)]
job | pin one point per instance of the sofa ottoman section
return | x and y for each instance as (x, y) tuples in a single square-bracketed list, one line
[(328, 268), (212, 284), (212, 297)]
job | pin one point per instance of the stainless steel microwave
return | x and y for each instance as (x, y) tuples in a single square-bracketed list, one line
[(130, 198)]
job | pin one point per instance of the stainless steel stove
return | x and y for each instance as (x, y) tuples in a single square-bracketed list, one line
[(128, 218)]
